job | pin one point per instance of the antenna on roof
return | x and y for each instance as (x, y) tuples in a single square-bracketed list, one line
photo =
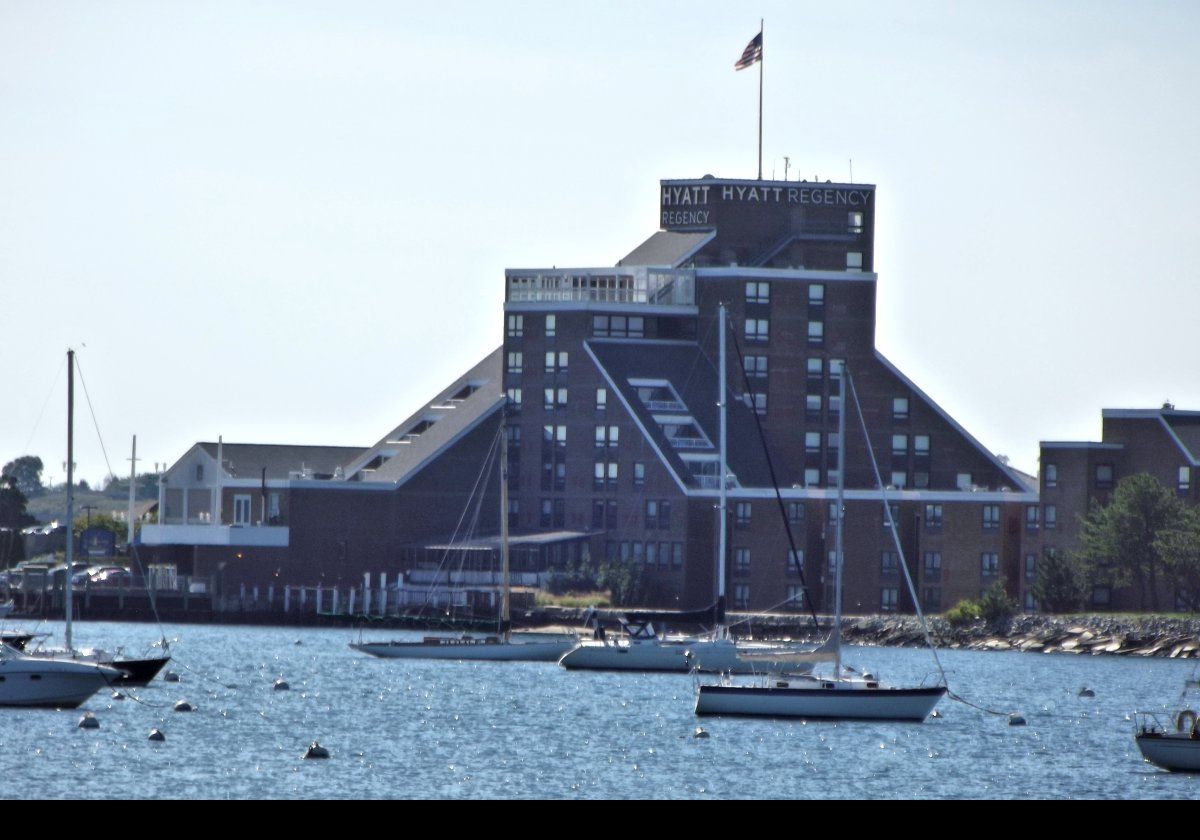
[(787, 163), (851, 170)]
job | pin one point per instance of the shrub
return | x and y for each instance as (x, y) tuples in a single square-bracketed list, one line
[(962, 614), (996, 605)]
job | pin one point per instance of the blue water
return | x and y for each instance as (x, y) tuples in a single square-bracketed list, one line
[(475, 730)]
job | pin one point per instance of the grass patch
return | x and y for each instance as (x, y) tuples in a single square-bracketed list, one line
[(574, 600)]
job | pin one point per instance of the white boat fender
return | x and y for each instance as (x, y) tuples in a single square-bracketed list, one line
[(156, 735), (1186, 721), (1086, 692), (315, 750), (88, 721), (935, 714), (184, 706), (281, 685), (1016, 720), (700, 732)]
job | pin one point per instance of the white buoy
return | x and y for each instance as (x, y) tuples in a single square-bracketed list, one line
[(88, 721), (156, 735), (315, 750), (184, 706)]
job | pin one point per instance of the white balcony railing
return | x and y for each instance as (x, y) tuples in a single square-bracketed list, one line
[(634, 285), (254, 536)]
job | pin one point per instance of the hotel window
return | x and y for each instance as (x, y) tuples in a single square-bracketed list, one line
[(554, 472), (551, 326), (601, 399), (989, 564), (816, 375), (756, 367), (795, 561), (554, 397), (514, 398), (900, 408), (758, 292), (741, 514), (241, 510), (546, 519), (991, 516), (1104, 475), (1050, 475), (618, 326), (556, 362), (515, 362), (758, 401), (933, 516), (514, 513), (812, 477), (835, 407), (1185, 479), (639, 552), (1030, 566), (812, 408), (899, 479), (741, 596), (604, 475), (833, 442), (795, 597), (889, 599), (664, 514), (812, 443), (639, 474), (921, 480), (598, 513), (816, 294), (607, 436), (651, 513), (831, 475), (758, 329), (854, 261), (795, 513), (741, 561), (963, 481), (610, 513), (899, 446), (889, 564), (831, 512), (933, 599), (894, 510), (933, 565), (854, 221), (516, 326), (651, 554), (677, 555), (1050, 517), (816, 333), (514, 436), (1032, 518), (555, 435), (921, 446), (835, 369), (831, 563)]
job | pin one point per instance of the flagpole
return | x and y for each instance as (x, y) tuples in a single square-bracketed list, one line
[(761, 59)]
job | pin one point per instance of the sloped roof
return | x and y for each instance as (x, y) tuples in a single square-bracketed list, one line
[(668, 248), (406, 449), (247, 460), (1186, 427)]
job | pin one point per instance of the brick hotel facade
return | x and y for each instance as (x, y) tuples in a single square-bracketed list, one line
[(608, 377)]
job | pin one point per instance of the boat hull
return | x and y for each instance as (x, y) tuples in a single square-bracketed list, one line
[(668, 656), (1178, 752), (883, 704), (482, 650), (138, 672), (49, 684)]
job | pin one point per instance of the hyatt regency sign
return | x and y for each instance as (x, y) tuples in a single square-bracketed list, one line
[(691, 204)]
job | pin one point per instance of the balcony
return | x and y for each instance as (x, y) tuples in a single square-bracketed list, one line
[(251, 536), (637, 285)]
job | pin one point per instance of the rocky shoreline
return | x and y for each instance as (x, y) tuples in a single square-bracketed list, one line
[(1087, 635)]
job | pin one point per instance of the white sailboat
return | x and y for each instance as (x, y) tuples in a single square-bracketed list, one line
[(1175, 747), (504, 646), (840, 695), (55, 681), (642, 649)]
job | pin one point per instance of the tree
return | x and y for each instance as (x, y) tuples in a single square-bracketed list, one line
[(27, 471), (1060, 584), (1119, 541), (12, 519), (1180, 549)]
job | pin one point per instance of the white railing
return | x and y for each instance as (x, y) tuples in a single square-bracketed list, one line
[(634, 285), (665, 405), (265, 536), (689, 443)]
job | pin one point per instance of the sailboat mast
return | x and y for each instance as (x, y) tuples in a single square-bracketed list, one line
[(505, 597), (722, 403), (841, 514), (68, 606)]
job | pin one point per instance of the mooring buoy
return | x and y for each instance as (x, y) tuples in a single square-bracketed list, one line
[(170, 676), (700, 732), (88, 721), (1086, 692), (184, 706), (1016, 720), (116, 695), (156, 735), (281, 685)]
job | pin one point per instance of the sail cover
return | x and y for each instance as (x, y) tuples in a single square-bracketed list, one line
[(825, 652)]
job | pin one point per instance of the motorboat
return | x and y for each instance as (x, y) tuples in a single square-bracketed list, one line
[(46, 682)]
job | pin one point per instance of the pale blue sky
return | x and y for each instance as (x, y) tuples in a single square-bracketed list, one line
[(288, 222)]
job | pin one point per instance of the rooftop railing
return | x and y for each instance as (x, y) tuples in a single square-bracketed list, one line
[(633, 285)]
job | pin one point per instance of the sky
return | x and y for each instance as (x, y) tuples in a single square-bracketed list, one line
[(288, 222)]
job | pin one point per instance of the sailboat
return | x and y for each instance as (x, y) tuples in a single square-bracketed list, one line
[(641, 649), (842, 695), (499, 647), (130, 672)]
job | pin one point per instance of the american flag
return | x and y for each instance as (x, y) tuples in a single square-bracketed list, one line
[(751, 54)]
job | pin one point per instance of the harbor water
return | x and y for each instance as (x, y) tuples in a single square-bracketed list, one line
[(422, 729)]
